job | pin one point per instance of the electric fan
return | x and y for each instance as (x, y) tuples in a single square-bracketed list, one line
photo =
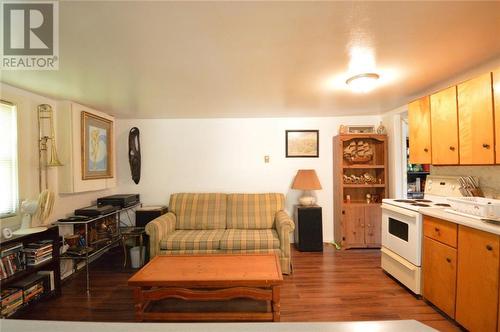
[(42, 208)]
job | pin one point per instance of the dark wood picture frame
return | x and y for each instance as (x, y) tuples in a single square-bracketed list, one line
[(291, 150)]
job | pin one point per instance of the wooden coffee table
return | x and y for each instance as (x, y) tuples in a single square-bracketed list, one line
[(209, 278)]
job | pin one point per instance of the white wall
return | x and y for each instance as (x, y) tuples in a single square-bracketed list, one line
[(227, 155), (26, 104)]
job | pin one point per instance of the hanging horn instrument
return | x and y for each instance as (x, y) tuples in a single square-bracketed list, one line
[(45, 113)]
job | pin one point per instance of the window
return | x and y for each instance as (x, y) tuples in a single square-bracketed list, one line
[(8, 160)]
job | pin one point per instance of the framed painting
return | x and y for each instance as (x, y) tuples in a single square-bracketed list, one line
[(302, 143), (97, 133)]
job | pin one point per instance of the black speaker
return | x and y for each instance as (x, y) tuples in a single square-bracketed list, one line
[(146, 214), (308, 232)]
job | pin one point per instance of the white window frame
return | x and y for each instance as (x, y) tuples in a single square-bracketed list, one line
[(4, 217)]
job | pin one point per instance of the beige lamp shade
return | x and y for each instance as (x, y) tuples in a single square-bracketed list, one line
[(306, 179)]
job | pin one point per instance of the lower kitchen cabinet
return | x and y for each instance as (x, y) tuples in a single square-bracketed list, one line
[(477, 280), (464, 281), (440, 275)]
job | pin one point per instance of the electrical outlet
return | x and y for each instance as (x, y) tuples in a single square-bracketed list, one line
[(266, 159)]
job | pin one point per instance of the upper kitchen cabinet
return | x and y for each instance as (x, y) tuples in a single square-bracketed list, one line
[(444, 127), (496, 91), (475, 121), (79, 126), (419, 123)]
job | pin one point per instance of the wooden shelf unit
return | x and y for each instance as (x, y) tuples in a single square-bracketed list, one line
[(357, 224)]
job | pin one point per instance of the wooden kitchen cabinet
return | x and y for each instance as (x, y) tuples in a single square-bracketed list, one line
[(440, 275), (475, 121), (477, 280), (354, 225), (373, 225), (496, 92), (362, 225), (444, 127), (419, 124)]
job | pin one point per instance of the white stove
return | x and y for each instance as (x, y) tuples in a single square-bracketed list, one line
[(402, 229)]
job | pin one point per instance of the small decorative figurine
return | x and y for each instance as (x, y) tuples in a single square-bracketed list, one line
[(342, 129), (368, 198), (381, 129)]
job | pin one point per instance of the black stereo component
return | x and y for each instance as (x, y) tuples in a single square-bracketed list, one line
[(120, 200), (147, 213), (94, 211)]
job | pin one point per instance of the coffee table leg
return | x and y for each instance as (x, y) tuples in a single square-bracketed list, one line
[(139, 304), (276, 303)]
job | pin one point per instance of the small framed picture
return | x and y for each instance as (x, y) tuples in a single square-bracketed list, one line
[(97, 133), (302, 143)]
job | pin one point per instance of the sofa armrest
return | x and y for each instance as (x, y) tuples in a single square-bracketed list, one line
[(284, 226), (157, 229)]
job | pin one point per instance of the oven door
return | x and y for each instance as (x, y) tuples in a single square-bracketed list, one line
[(402, 232)]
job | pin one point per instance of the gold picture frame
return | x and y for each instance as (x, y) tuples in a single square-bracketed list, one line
[(97, 149)]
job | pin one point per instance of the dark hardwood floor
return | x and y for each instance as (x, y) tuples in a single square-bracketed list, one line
[(330, 286)]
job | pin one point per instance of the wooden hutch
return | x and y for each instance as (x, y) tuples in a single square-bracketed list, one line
[(360, 181)]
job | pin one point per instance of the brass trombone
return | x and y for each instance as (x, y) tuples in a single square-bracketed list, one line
[(45, 113)]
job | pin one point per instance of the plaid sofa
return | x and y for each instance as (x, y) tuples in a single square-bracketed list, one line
[(223, 223)]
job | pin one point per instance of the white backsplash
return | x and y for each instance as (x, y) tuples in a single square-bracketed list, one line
[(489, 176)]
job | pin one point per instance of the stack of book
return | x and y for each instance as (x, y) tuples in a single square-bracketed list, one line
[(11, 260), (38, 252), (32, 286), (11, 299)]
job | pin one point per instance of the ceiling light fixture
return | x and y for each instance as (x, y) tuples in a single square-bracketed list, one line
[(363, 82)]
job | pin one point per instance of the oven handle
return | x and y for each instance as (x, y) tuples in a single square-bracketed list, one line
[(399, 210)]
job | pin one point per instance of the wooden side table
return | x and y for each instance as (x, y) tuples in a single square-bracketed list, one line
[(308, 232)]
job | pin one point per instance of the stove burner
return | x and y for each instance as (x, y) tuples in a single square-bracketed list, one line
[(420, 204), (404, 200), (442, 204), (423, 201)]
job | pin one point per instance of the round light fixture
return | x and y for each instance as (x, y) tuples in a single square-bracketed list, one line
[(363, 82)]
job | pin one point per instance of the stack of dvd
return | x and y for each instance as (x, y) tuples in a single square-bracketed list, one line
[(32, 286), (11, 299), (11, 260), (38, 252)]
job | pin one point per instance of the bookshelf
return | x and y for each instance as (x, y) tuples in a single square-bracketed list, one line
[(359, 169), (52, 233)]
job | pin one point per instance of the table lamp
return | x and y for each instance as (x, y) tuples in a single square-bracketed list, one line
[(306, 180)]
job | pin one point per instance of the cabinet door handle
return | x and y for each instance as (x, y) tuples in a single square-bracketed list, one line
[(369, 225), (489, 247), (486, 146), (452, 148), (426, 150), (343, 212), (448, 259), (436, 229)]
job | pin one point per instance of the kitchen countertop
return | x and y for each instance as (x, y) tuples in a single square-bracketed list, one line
[(461, 220)]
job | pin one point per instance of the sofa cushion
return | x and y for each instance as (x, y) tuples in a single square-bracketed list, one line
[(199, 211), (253, 211), (192, 240), (249, 239)]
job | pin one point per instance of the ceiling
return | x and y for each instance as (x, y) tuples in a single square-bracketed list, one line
[(259, 59)]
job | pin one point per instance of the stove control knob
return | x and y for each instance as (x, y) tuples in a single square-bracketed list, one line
[(429, 181)]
